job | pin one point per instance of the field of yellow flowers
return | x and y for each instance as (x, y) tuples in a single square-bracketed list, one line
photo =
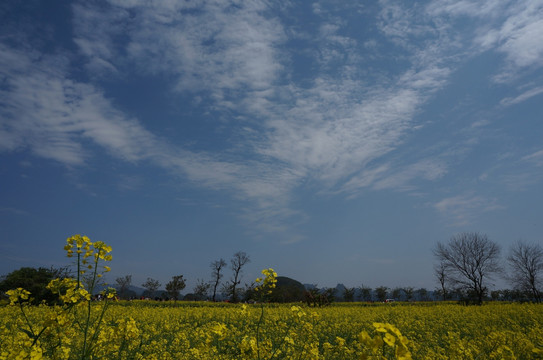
[(149, 330), (75, 327)]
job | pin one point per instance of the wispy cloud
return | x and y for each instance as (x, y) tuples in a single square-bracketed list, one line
[(331, 130), (55, 117), (465, 209), (328, 131), (335, 128), (51, 114), (536, 157), (527, 173), (512, 28), (522, 97), (12, 210), (213, 46)]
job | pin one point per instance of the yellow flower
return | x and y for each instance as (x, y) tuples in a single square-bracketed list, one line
[(16, 294), (266, 285), (389, 339)]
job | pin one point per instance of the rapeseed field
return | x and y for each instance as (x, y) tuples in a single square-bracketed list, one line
[(148, 330), (78, 328)]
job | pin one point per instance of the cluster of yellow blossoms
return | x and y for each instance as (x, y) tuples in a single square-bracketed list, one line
[(266, 285), (85, 249), (17, 295), (70, 328)]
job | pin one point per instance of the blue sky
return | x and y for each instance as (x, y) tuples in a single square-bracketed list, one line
[(332, 141)]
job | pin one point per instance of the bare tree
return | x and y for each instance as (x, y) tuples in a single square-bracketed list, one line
[(238, 261), (422, 294), (381, 293), (348, 294), (151, 285), (216, 268), (397, 293), (470, 260), (409, 291), (526, 264), (201, 289), (226, 290), (440, 272), (175, 286), (365, 293), (124, 283)]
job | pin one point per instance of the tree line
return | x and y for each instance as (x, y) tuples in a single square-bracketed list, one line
[(466, 265), (469, 261), (202, 290)]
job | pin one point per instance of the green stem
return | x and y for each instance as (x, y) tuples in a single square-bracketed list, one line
[(282, 341), (38, 336), (85, 335), (78, 270), (258, 330), (26, 319), (98, 322), (29, 324)]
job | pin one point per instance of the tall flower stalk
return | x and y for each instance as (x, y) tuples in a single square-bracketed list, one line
[(72, 298), (264, 288)]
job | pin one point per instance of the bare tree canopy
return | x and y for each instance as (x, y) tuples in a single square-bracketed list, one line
[(124, 283), (470, 260), (440, 271), (151, 285), (238, 261), (216, 268), (201, 289), (526, 265)]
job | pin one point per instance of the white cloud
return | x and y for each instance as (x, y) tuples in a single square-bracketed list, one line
[(330, 130), (428, 169), (52, 115), (536, 157), (485, 8), (335, 129), (464, 209), (522, 97), (216, 47), (513, 28), (520, 33)]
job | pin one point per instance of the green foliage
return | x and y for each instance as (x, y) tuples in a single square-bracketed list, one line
[(348, 294), (175, 286), (315, 297), (381, 293), (33, 280), (151, 285)]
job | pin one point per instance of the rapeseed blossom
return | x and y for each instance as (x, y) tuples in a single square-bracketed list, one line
[(17, 295), (265, 285)]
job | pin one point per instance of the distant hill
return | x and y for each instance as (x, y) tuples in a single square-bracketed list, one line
[(287, 290), (134, 291), (310, 286)]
